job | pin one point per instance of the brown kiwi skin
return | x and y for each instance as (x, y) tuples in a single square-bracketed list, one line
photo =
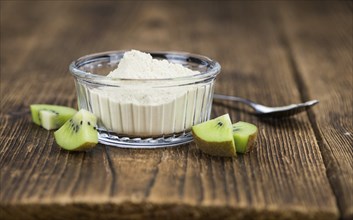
[(86, 146), (251, 142)]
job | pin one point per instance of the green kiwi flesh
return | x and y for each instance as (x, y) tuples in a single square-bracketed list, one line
[(215, 137), (79, 132), (244, 135), (48, 119), (51, 116)]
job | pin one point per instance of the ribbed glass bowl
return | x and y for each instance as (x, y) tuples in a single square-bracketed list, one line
[(145, 113)]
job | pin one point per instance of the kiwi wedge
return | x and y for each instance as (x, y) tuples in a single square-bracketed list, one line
[(79, 132), (215, 137), (51, 116), (244, 135)]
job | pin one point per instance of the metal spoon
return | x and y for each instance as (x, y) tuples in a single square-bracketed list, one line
[(261, 110)]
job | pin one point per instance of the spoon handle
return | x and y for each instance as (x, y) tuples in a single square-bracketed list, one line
[(234, 98)]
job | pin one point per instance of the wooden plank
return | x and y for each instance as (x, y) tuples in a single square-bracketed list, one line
[(283, 178), (322, 48)]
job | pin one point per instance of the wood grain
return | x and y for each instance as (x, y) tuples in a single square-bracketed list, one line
[(323, 57), (284, 177)]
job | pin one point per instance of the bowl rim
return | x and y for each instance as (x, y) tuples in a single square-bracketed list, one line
[(212, 71)]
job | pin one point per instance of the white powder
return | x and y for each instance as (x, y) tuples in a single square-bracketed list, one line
[(142, 111), (138, 65)]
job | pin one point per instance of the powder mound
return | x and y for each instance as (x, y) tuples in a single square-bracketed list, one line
[(138, 65)]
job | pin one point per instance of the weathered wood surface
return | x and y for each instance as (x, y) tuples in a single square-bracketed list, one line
[(270, 52), (323, 62)]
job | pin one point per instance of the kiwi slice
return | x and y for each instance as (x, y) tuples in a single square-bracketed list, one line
[(215, 137), (51, 116), (79, 132), (244, 135)]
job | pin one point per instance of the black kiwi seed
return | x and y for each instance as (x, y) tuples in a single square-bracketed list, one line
[(39, 117), (88, 123), (57, 113), (220, 123), (81, 123), (94, 128)]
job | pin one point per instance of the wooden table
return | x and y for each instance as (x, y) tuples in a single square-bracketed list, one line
[(275, 53)]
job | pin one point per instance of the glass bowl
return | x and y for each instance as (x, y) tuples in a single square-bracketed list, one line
[(145, 113)]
